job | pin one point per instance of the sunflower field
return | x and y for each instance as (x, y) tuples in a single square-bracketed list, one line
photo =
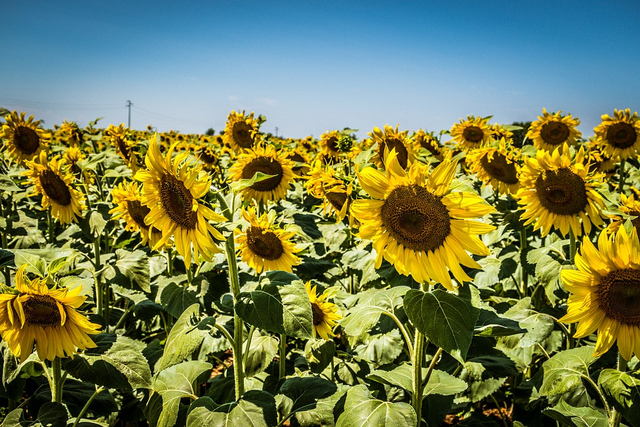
[(484, 275)]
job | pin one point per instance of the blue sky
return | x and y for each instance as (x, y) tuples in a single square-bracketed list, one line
[(310, 67)]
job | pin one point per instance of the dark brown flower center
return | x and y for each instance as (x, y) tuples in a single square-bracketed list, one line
[(41, 310), (207, 156), (267, 166), (636, 220), (242, 134), (618, 296), (473, 134), (621, 135), (138, 212), (429, 144), (264, 243), (123, 148), (318, 314), (416, 218), (561, 192), (499, 168), (391, 143), (337, 199), (27, 139), (332, 144), (55, 188), (177, 202), (554, 133), (297, 158)]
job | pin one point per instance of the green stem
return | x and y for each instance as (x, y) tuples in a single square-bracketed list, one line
[(616, 416), (403, 330), (226, 334), (621, 176), (418, 359), (55, 381), (247, 346), (169, 262), (499, 408), (588, 379), (52, 238), (525, 275), (283, 356), (86, 406)]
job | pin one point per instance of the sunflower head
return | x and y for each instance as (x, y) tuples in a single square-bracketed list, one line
[(263, 246), (301, 161), (127, 198), (605, 292), (121, 138), (264, 159), (620, 134), (474, 132), (25, 138), (53, 180), (558, 191), (429, 142), (553, 130), (417, 223), (497, 166), (241, 131), (34, 315), (499, 132), (71, 134), (325, 314), (334, 192), (391, 139)]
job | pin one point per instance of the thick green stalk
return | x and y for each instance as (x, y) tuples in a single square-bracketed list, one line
[(169, 262), (283, 356), (616, 416), (52, 238), (86, 405), (55, 382), (97, 267), (418, 360)]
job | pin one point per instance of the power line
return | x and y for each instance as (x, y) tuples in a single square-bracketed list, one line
[(55, 105)]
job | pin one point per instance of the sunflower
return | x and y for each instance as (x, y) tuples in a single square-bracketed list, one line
[(265, 159), (121, 138), (329, 144), (325, 313), (208, 157), (497, 166), (599, 161), (557, 192), (54, 182), (630, 208), (25, 138), (128, 200), (241, 132), (301, 161), (389, 140), (551, 131), (323, 185), (71, 134), (620, 134), (605, 292), (34, 314), (498, 132), (417, 223), (171, 189), (429, 142), (474, 132), (265, 247)]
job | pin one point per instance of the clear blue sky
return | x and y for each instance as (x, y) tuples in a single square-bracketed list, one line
[(310, 67)]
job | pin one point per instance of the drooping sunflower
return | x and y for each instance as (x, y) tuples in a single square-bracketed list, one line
[(334, 193), (605, 292), (127, 198), (25, 138), (265, 159), (301, 161), (558, 192), (630, 208), (263, 246), (474, 132), (599, 161), (391, 139), (241, 132), (499, 132), (329, 144), (429, 142), (619, 135), (552, 130), (171, 189), (325, 314), (33, 314), (71, 134), (53, 180), (497, 166), (121, 138), (417, 223), (209, 158)]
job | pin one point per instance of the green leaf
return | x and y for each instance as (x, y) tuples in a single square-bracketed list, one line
[(577, 416), (490, 324), (624, 391), (121, 366), (177, 298), (184, 338), (439, 382), (564, 372), (278, 307), (307, 390), (7, 184), (175, 383), (261, 352), (255, 409), (381, 349), (319, 354), (322, 414), (52, 414), (444, 384), (135, 266), (446, 319), (7, 259), (365, 411), (246, 183)]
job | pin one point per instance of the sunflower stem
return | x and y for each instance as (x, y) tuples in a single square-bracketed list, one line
[(616, 416), (245, 356), (86, 405), (418, 359), (169, 262), (55, 381), (283, 349), (621, 176), (97, 266), (3, 235), (238, 324), (50, 226)]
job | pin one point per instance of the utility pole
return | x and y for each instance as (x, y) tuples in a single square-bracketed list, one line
[(129, 104), (276, 131)]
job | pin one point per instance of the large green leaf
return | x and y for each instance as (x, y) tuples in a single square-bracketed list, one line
[(175, 383), (177, 298), (439, 382), (381, 349), (255, 409), (121, 366), (577, 416), (319, 354), (446, 319), (262, 350), (135, 266), (306, 391), (566, 370), (363, 410), (623, 391), (184, 338), (278, 305)]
